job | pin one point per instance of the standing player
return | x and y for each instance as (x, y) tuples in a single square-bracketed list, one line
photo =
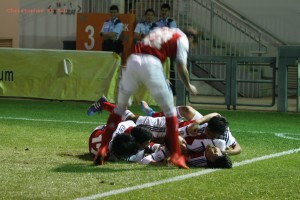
[(144, 66)]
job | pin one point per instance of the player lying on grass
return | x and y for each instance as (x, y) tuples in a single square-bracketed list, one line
[(132, 144), (134, 139), (195, 124), (199, 152), (157, 125)]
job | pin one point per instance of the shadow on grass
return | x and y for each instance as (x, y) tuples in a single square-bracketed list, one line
[(107, 168), (84, 157)]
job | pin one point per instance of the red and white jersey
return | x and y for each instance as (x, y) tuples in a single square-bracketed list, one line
[(200, 142), (226, 136), (197, 146), (156, 125), (165, 42), (122, 128), (95, 139), (196, 152)]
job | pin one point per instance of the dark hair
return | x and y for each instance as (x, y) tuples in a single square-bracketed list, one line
[(165, 5), (149, 10), (124, 145), (141, 134), (217, 124), (221, 162), (114, 7)]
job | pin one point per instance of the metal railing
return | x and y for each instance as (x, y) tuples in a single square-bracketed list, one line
[(229, 85), (224, 32)]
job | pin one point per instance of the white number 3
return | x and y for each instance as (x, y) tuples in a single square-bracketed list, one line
[(90, 29)]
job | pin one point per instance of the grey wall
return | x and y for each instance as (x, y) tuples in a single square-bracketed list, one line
[(46, 24), (48, 31)]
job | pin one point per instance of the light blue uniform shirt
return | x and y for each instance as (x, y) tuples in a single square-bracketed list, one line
[(166, 23), (112, 26), (143, 28)]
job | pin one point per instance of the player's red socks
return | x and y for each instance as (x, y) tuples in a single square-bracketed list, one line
[(158, 114), (108, 106), (111, 126), (173, 142)]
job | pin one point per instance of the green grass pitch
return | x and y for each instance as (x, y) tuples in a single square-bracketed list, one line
[(44, 155)]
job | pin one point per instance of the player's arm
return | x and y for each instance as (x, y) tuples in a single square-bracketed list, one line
[(234, 150), (206, 118), (188, 112), (156, 158), (181, 61), (192, 129), (184, 77)]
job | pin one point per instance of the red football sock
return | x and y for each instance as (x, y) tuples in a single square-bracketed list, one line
[(172, 135), (112, 124), (158, 114), (173, 142), (108, 106)]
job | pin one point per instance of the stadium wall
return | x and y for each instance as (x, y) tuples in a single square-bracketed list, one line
[(9, 20)]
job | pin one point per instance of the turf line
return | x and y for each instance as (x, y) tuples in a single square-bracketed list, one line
[(47, 120), (288, 136), (83, 122), (183, 177)]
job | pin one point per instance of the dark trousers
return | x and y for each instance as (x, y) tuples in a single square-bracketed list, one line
[(113, 45)]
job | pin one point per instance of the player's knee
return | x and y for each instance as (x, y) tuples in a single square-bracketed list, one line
[(185, 110)]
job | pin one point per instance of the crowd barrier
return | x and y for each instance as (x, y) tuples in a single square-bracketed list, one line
[(62, 75), (59, 75)]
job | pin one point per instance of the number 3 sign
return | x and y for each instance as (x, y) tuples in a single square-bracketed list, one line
[(89, 26)]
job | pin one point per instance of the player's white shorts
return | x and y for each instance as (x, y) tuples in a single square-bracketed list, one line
[(148, 70)]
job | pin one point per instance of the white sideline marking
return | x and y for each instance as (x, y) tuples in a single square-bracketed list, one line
[(177, 178), (288, 136), (47, 120), (183, 177), (82, 122)]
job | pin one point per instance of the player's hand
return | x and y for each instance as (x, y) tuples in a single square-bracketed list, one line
[(193, 129), (192, 89), (228, 150)]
